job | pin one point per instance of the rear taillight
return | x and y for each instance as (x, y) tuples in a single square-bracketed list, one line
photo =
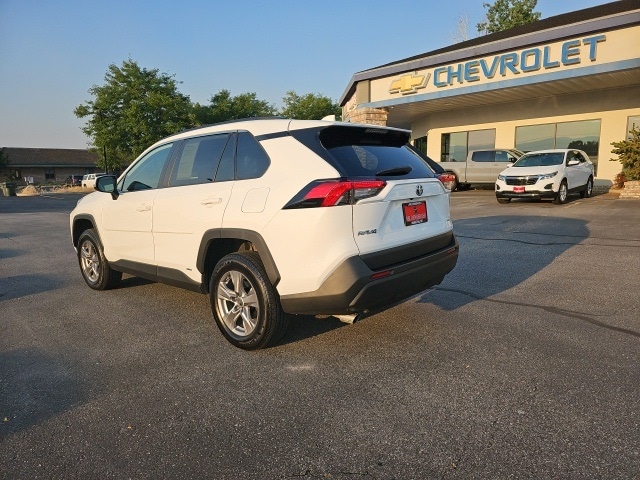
[(330, 193)]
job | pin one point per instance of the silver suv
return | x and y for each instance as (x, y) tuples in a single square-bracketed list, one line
[(271, 217)]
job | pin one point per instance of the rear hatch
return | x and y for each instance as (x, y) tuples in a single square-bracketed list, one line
[(397, 200)]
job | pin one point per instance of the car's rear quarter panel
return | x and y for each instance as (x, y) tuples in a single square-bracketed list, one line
[(310, 237)]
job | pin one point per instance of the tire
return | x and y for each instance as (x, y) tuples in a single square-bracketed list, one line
[(588, 189), (94, 266), (245, 305), (562, 194), (503, 200)]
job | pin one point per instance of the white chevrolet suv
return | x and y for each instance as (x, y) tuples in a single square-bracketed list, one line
[(272, 217), (550, 174)]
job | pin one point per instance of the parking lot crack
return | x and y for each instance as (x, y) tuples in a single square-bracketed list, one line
[(553, 310), (546, 244)]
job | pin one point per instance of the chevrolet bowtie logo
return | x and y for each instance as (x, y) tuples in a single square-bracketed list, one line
[(409, 83)]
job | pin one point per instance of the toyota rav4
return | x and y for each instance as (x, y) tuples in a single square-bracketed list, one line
[(272, 217)]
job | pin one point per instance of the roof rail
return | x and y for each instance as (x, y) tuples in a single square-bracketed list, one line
[(235, 120)]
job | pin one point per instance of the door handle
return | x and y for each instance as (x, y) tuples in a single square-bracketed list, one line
[(144, 207), (208, 202)]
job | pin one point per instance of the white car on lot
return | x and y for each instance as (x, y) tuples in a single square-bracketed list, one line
[(550, 174), (272, 217), (480, 166), (89, 180)]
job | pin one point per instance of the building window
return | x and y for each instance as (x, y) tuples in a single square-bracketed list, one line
[(421, 144), (455, 146), (49, 174), (482, 139), (582, 135), (632, 122), (535, 137)]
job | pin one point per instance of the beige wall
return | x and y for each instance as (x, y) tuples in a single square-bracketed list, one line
[(611, 107)]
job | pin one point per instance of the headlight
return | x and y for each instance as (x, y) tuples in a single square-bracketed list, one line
[(501, 177), (547, 175)]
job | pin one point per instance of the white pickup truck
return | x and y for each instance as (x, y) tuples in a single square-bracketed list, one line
[(481, 166)]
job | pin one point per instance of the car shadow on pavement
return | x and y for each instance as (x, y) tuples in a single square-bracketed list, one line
[(500, 252), (19, 286), (303, 327), (34, 387), (496, 254), (10, 252), (129, 281)]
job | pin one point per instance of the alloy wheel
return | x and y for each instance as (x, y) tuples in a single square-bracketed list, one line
[(238, 303), (90, 261)]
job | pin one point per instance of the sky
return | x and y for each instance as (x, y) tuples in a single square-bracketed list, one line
[(53, 51)]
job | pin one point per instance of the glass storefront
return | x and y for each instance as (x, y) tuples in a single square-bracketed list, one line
[(535, 137), (633, 122), (455, 146), (582, 135)]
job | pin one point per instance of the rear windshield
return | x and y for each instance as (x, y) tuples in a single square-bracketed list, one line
[(366, 152)]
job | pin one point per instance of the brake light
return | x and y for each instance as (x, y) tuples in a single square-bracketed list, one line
[(331, 193)]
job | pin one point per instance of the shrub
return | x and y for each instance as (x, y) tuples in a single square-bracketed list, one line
[(628, 152), (618, 182)]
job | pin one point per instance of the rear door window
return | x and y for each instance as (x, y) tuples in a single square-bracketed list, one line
[(198, 160), (483, 156)]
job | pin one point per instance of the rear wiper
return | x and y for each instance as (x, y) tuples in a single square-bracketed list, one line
[(395, 171)]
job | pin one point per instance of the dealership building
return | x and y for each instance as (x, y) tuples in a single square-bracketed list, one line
[(569, 81)]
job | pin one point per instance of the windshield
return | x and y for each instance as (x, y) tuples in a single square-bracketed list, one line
[(540, 159)]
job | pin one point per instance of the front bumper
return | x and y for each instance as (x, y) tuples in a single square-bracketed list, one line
[(544, 188), (526, 194), (354, 287)]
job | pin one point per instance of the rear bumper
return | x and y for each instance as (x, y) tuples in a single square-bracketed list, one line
[(351, 288)]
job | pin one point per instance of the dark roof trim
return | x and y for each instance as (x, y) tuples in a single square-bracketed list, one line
[(603, 17), (52, 165), (50, 157)]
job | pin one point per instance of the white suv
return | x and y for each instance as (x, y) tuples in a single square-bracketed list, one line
[(272, 217), (546, 174), (89, 180)]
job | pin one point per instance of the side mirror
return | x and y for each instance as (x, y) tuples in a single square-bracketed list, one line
[(107, 184), (573, 163)]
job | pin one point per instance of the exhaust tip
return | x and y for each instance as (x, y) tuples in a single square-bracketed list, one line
[(348, 319)]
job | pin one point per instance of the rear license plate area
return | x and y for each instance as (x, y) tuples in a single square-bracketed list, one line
[(414, 213)]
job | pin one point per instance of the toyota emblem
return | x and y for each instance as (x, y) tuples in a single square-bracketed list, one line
[(419, 190)]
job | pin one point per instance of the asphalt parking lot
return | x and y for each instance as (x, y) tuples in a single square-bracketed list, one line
[(524, 363)]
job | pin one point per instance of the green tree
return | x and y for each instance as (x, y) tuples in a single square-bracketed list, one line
[(4, 158), (133, 109), (311, 106), (628, 152), (223, 106), (4, 163), (505, 14)]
